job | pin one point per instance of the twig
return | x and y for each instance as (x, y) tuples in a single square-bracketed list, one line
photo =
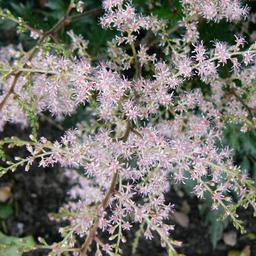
[(136, 132), (10, 91), (136, 62), (91, 236), (127, 131), (93, 12), (250, 110), (51, 122)]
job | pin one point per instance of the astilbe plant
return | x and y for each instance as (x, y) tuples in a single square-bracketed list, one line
[(150, 130)]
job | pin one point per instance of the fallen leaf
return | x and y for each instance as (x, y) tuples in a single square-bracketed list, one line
[(230, 238), (185, 207), (245, 252), (181, 218), (5, 193)]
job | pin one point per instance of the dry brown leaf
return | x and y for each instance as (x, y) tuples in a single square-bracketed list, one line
[(246, 251), (185, 207), (5, 193), (181, 218), (230, 238)]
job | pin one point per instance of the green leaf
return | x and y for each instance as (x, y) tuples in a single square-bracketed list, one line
[(7, 24), (189, 185), (174, 253), (58, 8), (6, 211), (216, 227), (212, 219), (14, 246), (170, 11)]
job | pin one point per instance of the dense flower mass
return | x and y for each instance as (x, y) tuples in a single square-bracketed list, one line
[(151, 129), (216, 10)]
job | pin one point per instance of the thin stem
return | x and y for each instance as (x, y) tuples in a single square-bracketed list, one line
[(138, 235), (136, 132), (226, 210), (29, 70), (10, 91), (166, 239), (14, 166), (136, 61), (120, 222), (93, 12), (91, 236), (233, 92), (127, 131)]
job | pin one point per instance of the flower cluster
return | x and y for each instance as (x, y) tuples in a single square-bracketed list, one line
[(216, 10), (153, 130)]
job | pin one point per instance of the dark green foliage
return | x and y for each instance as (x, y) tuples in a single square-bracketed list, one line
[(244, 147), (6, 210)]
